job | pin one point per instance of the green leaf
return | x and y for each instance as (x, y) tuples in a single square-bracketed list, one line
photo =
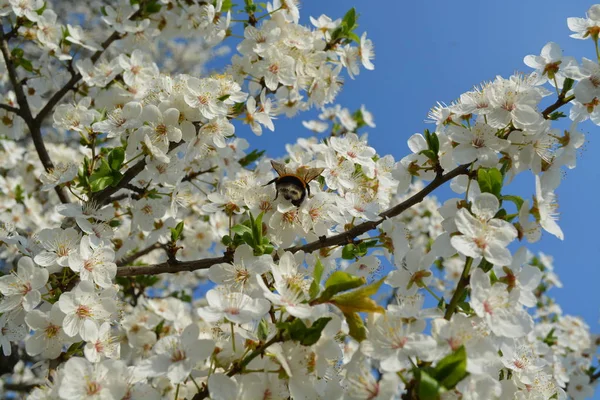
[(496, 180), (103, 170), (116, 158), (17, 52), (349, 20), (429, 154), (315, 286), (567, 85), (263, 330), (26, 64), (340, 281), (248, 239), (152, 7), (116, 178), (299, 332), (318, 272), (353, 36), (358, 300), (490, 181), (364, 291), (241, 229), (356, 326), (176, 232), (100, 183), (429, 388), (452, 369), (226, 6), (227, 240), (348, 252), (41, 10), (556, 115), (517, 200), (251, 157), (435, 143), (256, 225)]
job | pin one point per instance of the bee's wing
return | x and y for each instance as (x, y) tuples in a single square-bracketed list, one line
[(279, 168), (312, 173)]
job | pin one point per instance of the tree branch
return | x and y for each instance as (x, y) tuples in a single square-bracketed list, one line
[(10, 108), (557, 104), (103, 197), (462, 284), (239, 367), (56, 97), (172, 267), (349, 235), (25, 113), (20, 387), (342, 238), (196, 174), (128, 260)]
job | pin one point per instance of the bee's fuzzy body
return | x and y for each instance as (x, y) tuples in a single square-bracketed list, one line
[(293, 186)]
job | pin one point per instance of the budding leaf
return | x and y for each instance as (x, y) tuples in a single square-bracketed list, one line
[(116, 158), (241, 229), (176, 232), (518, 201), (452, 368), (358, 300), (429, 388), (490, 181), (299, 332), (315, 284), (348, 252), (340, 281), (356, 326), (251, 157)]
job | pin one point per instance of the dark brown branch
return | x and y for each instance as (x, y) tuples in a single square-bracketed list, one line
[(172, 267), (557, 104), (25, 113), (56, 97), (129, 259), (196, 174), (349, 235), (10, 108), (239, 367), (342, 238), (461, 286), (103, 197), (20, 387)]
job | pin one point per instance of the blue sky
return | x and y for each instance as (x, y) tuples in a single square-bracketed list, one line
[(429, 51)]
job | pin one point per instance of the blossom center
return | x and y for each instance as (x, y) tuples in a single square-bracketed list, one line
[(93, 388), (178, 355), (83, 311), (51, 331)]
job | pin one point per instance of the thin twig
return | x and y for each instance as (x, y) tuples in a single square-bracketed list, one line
[(10, 108), (25, 113), (103, 197), (349, 235), (342, 238), (129, 259), (56, 97), (239, 367), (557, 104), (20, 387), (194, 175), (461, 286)]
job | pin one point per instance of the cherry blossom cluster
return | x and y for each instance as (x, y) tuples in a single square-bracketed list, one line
[(146, 255)]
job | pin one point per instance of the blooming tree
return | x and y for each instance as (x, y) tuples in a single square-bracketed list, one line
[(124, 188)]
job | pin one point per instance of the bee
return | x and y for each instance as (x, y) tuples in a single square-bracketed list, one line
[(293, 186)]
